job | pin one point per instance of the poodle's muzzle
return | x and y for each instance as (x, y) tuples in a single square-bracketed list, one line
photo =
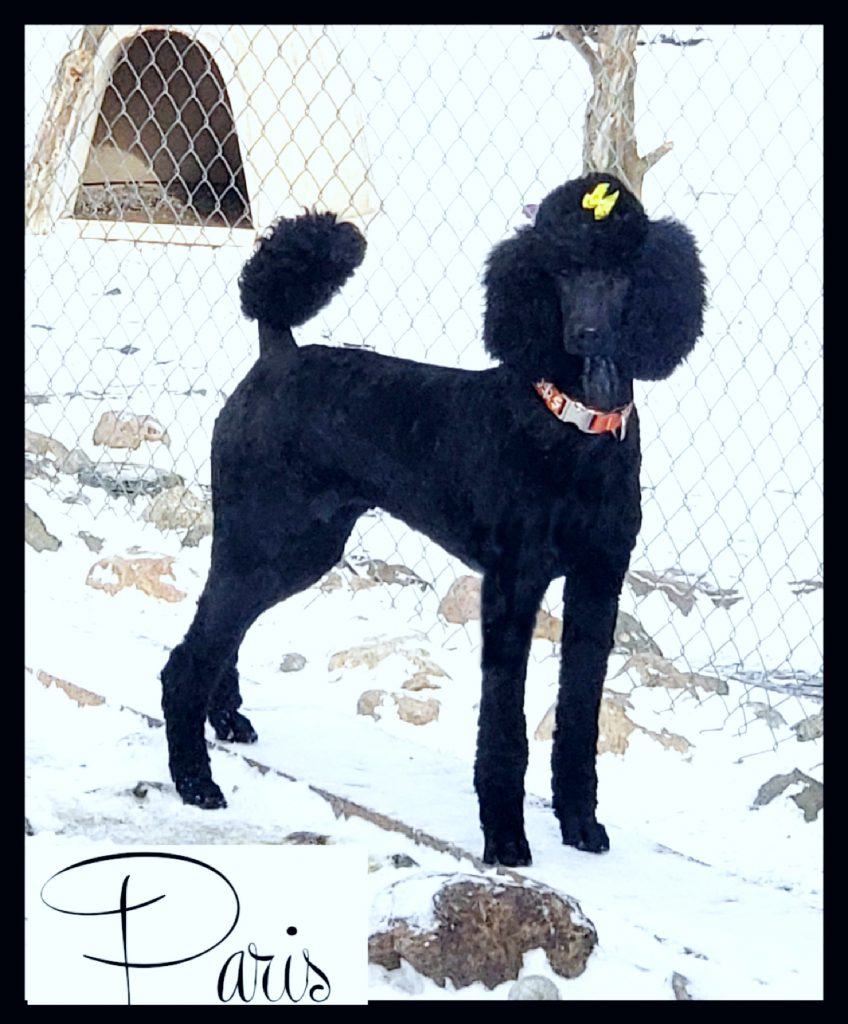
[(592, 305)]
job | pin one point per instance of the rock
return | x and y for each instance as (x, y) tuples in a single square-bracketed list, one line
[(657, 671), (114, 432), (545, 728), (680, 986), (36, 533), (332, 581), (177, 508), (810, 799), (461, 603), (378, 571), (669, 740), (93, 543), (771, 716), (471, 928), (396, 860), (48, 448), (409, 709), (128, 480), (799, 587), (421, 661), (420, 681), (548, 627), (293, 662), (721, 597), (81, 696), (195, 535), (357, 583), (403, 860), (307, 839), (41, 444), (631, 638), (74, 461), (39, 468), (369, 701), (534, 986), (370, 655), (810, 728), (417, 711), (141, 573), (680, 588), (615, 727), (143, 787)]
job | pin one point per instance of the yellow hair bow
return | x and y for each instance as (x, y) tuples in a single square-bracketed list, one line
[(599, 201)]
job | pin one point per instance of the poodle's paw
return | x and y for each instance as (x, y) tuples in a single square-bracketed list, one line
[(584, 832), (512, 851), (232, 727), (201, 793)]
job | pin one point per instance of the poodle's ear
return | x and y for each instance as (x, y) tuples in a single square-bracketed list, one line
[(521, 305), (665, 306)]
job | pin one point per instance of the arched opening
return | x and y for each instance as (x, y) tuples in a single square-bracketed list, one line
[(165, 148)]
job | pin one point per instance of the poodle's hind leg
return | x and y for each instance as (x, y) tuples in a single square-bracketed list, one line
[(509, 606), (589, 615), (199, 678), (230, 603), (224, 717)]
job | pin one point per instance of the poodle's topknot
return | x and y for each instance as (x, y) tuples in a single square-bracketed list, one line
[(594, 221), (298, 267)]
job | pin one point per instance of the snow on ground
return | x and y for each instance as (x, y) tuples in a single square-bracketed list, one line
[(747, 907), (696, 881)]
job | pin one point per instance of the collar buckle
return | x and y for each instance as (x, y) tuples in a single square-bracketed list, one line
[(577, 413)]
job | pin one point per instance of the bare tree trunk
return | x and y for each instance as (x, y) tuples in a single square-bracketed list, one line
[(73, 78), (609, 141)]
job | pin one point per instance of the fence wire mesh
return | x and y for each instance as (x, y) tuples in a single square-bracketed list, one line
[(155, 154)]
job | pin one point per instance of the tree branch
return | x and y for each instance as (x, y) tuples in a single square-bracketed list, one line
[(655, 155), (574, 34)]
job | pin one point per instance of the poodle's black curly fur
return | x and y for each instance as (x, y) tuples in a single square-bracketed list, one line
[(315, 436)]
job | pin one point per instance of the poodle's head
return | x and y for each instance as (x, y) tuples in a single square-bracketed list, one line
[(591, 222), (594, 294)]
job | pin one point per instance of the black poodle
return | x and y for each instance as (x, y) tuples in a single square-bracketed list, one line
[(526, 472)]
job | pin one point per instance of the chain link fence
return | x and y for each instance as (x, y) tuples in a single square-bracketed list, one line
[(155, 154)]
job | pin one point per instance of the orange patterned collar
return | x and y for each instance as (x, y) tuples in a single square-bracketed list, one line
[(590, 421)]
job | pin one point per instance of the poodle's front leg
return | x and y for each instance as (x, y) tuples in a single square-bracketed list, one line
[(589, 615), (509, 608)]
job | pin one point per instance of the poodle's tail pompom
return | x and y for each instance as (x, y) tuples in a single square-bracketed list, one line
[(298, 267)]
